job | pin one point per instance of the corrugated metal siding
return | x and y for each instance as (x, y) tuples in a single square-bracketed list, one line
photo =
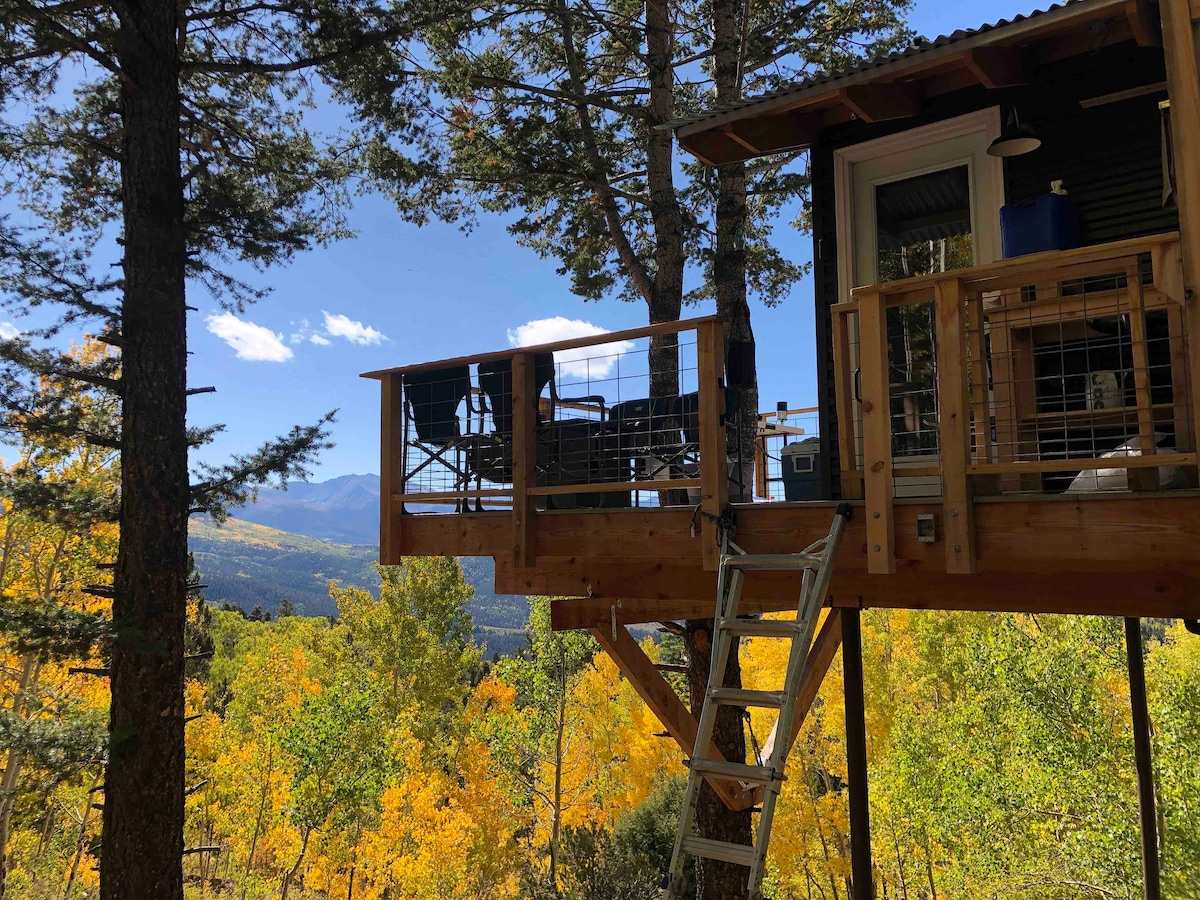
[(1109, 157)]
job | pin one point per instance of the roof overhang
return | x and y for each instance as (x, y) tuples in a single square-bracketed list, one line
[(995, 57)]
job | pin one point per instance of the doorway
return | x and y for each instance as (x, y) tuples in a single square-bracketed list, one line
[(922, 201)]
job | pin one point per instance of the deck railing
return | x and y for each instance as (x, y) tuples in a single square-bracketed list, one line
[(1058, 372), (575, 424)]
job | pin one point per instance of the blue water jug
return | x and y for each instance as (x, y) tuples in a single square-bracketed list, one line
[(1049, 223)]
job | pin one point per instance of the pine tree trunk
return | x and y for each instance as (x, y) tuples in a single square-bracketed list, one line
[(143, 807), (729, 258), (717, 880), (666, 294)]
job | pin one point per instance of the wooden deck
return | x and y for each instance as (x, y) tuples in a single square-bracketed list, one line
[(1001, 539)]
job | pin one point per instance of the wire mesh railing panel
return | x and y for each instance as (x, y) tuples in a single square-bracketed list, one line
[(595, 418), (1074, 378), (1080, 372)]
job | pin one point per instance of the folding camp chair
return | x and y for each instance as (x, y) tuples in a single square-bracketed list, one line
[(432, 400)]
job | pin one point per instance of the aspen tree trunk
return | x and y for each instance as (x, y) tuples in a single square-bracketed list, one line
[(12, 769), (144, 807), (556, 812)]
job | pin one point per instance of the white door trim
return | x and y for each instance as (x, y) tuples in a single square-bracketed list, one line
[(985, 121)]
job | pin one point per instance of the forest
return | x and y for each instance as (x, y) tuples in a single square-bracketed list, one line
[(376, 754)]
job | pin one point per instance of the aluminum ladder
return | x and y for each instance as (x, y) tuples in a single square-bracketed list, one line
[(817, 562)]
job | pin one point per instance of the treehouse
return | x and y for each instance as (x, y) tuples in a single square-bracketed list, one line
[(1006, 244)]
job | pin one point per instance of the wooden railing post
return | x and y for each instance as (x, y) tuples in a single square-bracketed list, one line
[(1183, 86), (714, 474), (391, 468), (877, 432), (954, 426), (525, 414)]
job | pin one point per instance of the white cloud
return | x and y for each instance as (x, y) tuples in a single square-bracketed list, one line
[(8, 331), (355, 332), (319, 340), (250, 341), (596, 361)]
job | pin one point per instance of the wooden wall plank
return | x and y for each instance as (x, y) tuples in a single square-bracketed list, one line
[(877, 432)]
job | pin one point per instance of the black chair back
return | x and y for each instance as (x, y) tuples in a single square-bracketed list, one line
[(495, 380), (433, 399)]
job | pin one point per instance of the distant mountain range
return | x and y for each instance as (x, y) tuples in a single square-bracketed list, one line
[(342, 509), (293, 542)]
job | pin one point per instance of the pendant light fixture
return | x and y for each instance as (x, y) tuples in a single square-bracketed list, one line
[(1016, 139)]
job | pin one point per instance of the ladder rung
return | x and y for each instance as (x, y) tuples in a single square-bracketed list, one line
[(738, 854), (772, 628), (772, 561), (735, 771), (743, 697)]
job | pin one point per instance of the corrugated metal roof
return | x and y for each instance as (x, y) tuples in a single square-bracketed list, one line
[(917, 48)]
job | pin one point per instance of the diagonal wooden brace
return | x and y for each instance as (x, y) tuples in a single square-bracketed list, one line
[(635, 665)]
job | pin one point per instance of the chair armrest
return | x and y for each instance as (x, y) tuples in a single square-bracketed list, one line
[(594, 398)]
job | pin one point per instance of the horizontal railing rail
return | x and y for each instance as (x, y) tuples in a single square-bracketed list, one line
[(1064, 371)]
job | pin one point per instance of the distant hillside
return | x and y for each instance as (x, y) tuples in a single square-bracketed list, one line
[(250, 565)]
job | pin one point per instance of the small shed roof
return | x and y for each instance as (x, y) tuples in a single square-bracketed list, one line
[(894, 85)]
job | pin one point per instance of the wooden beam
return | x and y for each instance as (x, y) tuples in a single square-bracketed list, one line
[(843, 379), (877, 433), (714, 475), (778, 132), (1143, 759), (954, 427), (636, 666), (524, 409), (1143, 23), (856, 757), (881, 102), (1158, 594), (391, 468), (995, 67), (816, 667)]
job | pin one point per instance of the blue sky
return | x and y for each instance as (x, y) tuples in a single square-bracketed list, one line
[(399, 294)]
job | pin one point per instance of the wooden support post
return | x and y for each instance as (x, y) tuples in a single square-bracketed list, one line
[(1141, 479), (619, 644), (816, 667), (525, 415), (856, 756), (391, 468), (714, 474), (1183, 86), (981, 406), (877, 433), (1151, 889), (954, 426), (844, 389)]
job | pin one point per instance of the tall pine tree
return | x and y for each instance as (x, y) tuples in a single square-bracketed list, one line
[(150, 145)]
